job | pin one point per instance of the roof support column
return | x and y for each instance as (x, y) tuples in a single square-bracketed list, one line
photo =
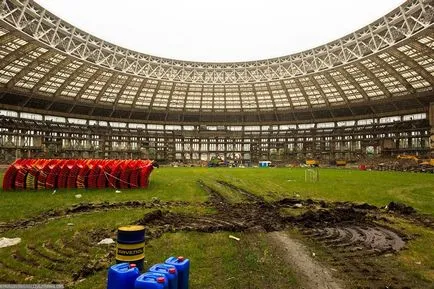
[(431, 123)]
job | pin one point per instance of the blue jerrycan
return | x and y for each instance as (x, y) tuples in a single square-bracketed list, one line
[(183, 266), (151, 280), (122, 275), (169, 271)]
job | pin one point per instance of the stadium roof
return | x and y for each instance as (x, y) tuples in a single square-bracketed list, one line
[(219, 31), (47, 64)]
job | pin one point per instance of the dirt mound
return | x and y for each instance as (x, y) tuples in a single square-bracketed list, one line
[(176, 222), (327, 217), (237, 219), (289, 202), (350, 224), (400, 208), (365, 206), (347, 229), (89, 207), (149, 217)]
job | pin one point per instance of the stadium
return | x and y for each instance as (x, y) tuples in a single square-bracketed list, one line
[(364, 102)]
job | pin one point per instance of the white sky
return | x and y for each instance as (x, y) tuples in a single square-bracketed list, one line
[(221, 30)]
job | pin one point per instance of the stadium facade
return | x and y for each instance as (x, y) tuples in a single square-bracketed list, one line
[(65, 93)]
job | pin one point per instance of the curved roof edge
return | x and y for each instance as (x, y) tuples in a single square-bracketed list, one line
[(402, 23)]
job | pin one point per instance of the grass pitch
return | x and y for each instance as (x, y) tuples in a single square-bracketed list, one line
[(174, 184), (55, 250)]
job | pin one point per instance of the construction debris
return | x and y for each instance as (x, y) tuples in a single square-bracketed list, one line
[(8, 242)]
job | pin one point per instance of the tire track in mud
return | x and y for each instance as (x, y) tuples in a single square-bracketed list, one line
[(248, 195), (340, 225), (361, 253), (61, 250), (348, 230), (41, 254), (352, 238), (215, 198), (33, 258), (14, 271), (60, 258)]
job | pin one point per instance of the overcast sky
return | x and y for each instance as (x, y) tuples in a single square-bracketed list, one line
[(219, 31)]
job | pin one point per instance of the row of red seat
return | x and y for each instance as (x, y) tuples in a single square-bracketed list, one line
[(90, 174)]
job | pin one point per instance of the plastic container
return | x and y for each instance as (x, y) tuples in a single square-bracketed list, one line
[(122, 276), (151, 280), (169, 271), (131, 245), (183, 266)]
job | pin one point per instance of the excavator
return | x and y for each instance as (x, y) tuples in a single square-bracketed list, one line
[(423, 165)]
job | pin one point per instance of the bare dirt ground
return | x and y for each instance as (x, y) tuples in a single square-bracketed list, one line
[(311, 274)]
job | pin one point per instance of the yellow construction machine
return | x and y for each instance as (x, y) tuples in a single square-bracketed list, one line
[(312, 163)]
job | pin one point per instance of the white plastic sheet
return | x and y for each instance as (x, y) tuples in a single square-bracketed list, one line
[(7, 242)]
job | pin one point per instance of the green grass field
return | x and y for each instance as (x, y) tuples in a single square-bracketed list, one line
[(377, 188), (217, 261)]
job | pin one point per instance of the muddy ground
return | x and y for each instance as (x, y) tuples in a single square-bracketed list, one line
[(350, 233)]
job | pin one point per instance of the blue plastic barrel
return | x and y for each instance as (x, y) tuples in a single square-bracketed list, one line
[(131, 245), (122, 275), (169, 271), (151, 280), (183, 266)]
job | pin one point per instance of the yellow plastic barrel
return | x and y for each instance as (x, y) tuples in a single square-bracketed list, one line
[(131, 245)]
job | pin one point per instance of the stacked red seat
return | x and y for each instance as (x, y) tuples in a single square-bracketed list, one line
[(62, 178), (44, 170), (145, 172), (134, 175), (55, 173), (52, 177), (113, 176), (20, 178), (92, 177), (11, 173), (9, 176), (83, 174), (74, 169), (32, 178), (124, 177), (102, 181)]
